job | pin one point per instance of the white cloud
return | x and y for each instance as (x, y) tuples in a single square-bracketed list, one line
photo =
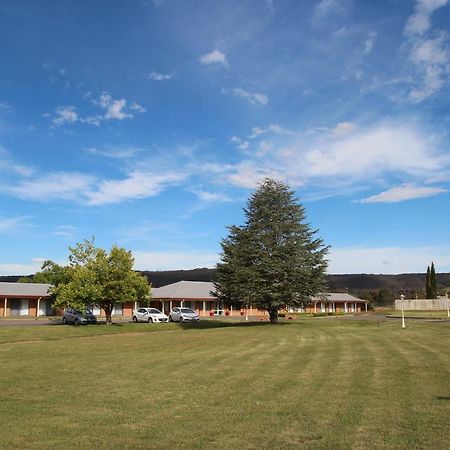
[(65, 114), (345, 158), (173, 260), (158, 76), (215, 58), (137, 107), (429, 51), (271, 5), (404, 192), (255, 98), (137, 185), (389, 260), (327, 8), (249, 174), (419, 22), (64, 230), (369, 43), (115, 109), (53, 186), (372, 152), (13, 225), (123, 152), (240, 143), (212, 197), (271, 129), (8, 165), (343, 129)]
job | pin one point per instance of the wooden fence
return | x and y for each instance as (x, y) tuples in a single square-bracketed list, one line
[(437, 304)]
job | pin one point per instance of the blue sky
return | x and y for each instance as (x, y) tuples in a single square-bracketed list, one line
[(148, 124)]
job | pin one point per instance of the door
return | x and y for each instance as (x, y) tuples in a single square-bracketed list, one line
[(42, 308), (14, 307), (24, 303)]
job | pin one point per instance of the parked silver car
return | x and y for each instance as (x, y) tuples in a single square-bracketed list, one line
[(183, 315), (152, 315), (78, 317)]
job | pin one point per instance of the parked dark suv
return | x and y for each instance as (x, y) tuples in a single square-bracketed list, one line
[(78, 317)]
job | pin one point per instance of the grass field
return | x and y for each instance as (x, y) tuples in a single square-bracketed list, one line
[(313, 383)]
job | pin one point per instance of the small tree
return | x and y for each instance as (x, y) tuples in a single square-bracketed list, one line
[(101, 279), (433, 283), (430, 283), (427, 283), (275, 259)]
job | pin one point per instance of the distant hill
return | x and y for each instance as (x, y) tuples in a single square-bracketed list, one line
[(358, 284)]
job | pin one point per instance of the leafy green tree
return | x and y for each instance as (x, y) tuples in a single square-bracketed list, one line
[(96, 277), (50, 273), (275, 259)]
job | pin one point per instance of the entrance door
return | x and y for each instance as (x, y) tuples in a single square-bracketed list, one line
[(42, 308), (14, 306), (24, 303)]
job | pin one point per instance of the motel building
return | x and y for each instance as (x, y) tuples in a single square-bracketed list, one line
[(24, 299), (33, 300), (333, 302)]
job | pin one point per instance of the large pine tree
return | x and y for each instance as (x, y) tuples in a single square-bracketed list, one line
[(275, 259)]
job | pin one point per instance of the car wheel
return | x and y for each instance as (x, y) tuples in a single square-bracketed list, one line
[(77, 322), (64, 320), (150, 320), (134, 319), (170, 319), (181, 319)]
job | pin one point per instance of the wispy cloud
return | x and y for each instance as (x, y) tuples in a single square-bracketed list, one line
[(212, 197), (214, 58), (241, 144), (137, 185), (255, 98), (64, 230), (271, 130), (112, 109), (369, 43), (65, 114), (404, 192), (345, 157), (158, 76), (125, 152), (429, 51), (53, 186), (420, 21), (9, 165), (14, 225)]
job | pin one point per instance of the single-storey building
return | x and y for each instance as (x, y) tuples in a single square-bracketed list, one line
[(190, 294), (333, 302), (33, 299), (24, 299)]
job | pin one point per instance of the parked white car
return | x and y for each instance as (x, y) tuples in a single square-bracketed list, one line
[(183, 315), (151, 315)]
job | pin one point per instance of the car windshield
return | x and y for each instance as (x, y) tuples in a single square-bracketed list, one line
[(154, 311), (187, 310)]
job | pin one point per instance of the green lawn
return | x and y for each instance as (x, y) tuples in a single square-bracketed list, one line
[(311, 383)]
